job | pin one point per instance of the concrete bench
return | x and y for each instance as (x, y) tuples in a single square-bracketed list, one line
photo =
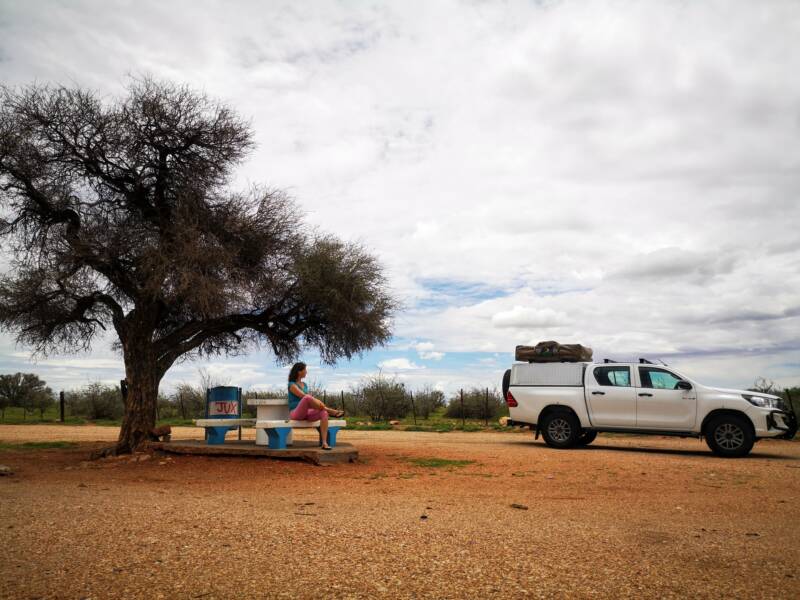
[(217, 428), (278, 430)]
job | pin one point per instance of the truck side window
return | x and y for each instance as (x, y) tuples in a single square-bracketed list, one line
[(617, 376), (658, 379)]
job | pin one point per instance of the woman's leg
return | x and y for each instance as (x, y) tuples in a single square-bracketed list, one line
[(307, 403), (322, 417)]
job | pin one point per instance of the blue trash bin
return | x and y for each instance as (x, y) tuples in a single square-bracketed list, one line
[(222, 402)]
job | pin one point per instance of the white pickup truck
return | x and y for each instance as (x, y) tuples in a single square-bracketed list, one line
[(569, 403)]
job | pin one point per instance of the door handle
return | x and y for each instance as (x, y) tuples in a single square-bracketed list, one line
[(646, 394), (598, 393)]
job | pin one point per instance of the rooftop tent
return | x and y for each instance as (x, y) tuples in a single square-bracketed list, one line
[(553, 352)]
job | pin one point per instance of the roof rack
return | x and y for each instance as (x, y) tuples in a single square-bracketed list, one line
[(608, 360), (644, 361)]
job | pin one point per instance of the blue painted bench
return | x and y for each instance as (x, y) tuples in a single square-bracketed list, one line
[(278, 431), (217, 428)]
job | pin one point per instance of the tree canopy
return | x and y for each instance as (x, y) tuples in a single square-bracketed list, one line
[(119, 216), (25, 391)]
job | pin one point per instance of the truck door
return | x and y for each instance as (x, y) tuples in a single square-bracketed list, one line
[(611, 396), (660, 404)]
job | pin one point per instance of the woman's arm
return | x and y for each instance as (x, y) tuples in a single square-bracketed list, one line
[(316, 403), (295, 389)]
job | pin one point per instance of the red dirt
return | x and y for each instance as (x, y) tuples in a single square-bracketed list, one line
[(629, 516)]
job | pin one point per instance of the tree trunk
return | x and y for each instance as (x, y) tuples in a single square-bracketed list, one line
[(143, 376)]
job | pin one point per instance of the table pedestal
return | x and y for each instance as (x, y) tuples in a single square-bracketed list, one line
[(270, 409)]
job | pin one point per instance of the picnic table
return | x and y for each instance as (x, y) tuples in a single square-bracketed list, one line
[(273, 425)]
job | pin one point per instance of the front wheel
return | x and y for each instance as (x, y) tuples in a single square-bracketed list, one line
[(561, 430), (587, 437), (730, 436)]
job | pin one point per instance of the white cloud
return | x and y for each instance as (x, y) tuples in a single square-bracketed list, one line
[(399, 364), (426, 351), (679, 265), (526, 318), (623, 175)]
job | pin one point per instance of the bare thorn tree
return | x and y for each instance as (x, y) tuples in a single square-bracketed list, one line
[(118, 217)]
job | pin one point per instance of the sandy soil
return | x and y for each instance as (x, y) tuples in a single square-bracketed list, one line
[(634, 517)]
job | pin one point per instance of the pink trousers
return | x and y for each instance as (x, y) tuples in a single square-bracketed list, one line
[(304, 412)]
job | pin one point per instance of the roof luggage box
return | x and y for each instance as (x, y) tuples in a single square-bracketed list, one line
[(546, 352)]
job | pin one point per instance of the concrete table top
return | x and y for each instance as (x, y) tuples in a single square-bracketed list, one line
[(267, 402)]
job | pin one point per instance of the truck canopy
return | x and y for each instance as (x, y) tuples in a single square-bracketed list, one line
[(548, 374)]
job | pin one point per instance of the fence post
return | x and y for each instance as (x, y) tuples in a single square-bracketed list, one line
[(183, 408), (383, 403), (343, 407), (61, 404), (462, 410), (205, 429), (486, 411), (789, 401), (413, 409)]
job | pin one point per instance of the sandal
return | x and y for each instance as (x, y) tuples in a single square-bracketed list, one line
[(340, 415)]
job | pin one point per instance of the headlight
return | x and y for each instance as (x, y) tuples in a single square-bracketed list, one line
[(764, 402)]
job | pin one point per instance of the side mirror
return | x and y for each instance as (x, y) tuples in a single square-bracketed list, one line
[(683, 385)]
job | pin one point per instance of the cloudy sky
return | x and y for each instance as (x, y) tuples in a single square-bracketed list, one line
[(619, 174)]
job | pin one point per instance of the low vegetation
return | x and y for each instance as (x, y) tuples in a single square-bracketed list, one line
[(37, 445), (436, 463), (377, 403)]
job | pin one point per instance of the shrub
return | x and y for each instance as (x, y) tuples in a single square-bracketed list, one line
[(427, 400), (189, 401), (476, 405), (382, 398), (41, 401), (792, 397), (96, 401)]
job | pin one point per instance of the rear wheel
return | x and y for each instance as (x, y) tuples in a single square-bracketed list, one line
[(561, 429), (730, 436), (587, 437)]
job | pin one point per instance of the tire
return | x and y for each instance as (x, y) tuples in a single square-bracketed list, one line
[(587, 437), (730, 436), (561, 429), (506, 383)]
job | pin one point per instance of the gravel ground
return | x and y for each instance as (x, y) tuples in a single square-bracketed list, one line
[(627, 517)]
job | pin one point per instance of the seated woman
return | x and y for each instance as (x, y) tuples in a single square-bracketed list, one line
[(304, 407)]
